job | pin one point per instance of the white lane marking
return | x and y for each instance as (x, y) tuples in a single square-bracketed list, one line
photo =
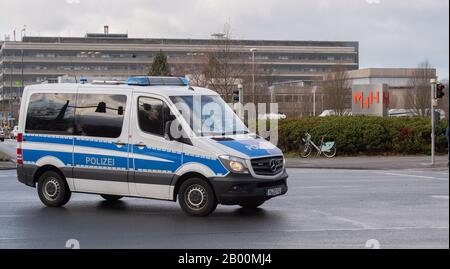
[(344, 219), (331, 230), (327, 187), (408, 175), (427, 171), (440, 196)]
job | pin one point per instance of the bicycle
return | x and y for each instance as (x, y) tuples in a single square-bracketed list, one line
[(328, 149)]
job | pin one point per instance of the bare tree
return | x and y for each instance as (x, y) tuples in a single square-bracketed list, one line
[(418, 98), (337, 89), (225, 67), (194, 68)]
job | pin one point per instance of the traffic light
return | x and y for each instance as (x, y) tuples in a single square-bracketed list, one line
[(236, 96), (440, 91)]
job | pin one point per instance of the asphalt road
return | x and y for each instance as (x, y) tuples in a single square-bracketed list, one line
[(323, 209)]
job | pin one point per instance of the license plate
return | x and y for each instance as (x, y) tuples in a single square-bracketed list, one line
[(273, 191)]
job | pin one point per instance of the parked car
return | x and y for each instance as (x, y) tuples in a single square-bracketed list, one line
[(272, 116), (331, 112), (402, 112)]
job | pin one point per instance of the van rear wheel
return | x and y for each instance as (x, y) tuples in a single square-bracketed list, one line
[(196, 197), (111, 198), (53, 189)]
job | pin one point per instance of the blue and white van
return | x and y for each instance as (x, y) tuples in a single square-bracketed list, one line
[(116, 140)]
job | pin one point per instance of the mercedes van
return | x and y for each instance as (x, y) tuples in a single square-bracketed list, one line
[(147, 137)]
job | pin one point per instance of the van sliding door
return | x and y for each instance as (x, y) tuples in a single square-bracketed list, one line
[(101, 148)]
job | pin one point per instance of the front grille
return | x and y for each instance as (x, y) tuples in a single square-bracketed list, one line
[(268, 166)]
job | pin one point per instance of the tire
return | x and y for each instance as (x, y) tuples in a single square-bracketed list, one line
[(197, 198), (53, 189), (305, 151), (111, 198), (251, 205), (331, 153)]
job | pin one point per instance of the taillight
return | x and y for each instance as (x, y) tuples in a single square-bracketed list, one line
[(19, 156), (19, 148)]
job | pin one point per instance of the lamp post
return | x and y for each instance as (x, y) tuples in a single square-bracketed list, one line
[(253, 50), (21, 79), (314, 90)]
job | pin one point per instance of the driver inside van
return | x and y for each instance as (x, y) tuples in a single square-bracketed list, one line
[(150, 118)]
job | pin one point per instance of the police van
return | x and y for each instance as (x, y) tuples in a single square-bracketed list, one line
[(146, 137)]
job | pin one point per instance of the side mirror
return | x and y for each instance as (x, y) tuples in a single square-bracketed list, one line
[(167, 134), (170, 119)]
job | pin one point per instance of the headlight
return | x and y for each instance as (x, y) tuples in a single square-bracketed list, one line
[(234, 164)]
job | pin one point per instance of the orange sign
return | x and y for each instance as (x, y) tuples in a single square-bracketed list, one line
[(367, 101)]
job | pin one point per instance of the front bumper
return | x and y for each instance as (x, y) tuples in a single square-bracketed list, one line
[(240, 189)]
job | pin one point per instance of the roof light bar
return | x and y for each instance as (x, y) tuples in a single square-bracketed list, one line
[(161, 81)]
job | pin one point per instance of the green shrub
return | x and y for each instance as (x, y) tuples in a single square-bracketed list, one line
[(365, 134)]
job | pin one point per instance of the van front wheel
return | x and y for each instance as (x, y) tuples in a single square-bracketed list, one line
[(196, 197), (53, 189)]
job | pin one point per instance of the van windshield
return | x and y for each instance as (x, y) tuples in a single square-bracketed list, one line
[(209, 115)]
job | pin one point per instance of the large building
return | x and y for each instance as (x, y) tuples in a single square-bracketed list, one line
[(44, 59), (398, 81), (298, 99)]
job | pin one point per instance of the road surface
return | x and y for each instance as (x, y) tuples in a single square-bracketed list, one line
[(323, 209)]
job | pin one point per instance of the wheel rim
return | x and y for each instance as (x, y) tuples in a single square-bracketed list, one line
[(331, 153), (51, 189), (305, 152), (196, 197)]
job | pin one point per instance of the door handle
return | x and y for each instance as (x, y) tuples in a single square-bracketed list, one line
[(140, 145), (120, 144)]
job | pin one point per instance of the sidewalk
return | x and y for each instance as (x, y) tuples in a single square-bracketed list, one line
[(7, 165), (368, 162)]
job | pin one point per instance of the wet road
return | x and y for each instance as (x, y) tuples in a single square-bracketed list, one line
[(323, 209)]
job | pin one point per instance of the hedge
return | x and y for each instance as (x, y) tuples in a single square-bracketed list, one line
[(365, 134)]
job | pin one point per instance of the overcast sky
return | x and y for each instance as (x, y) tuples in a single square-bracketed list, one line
[(392, 33)]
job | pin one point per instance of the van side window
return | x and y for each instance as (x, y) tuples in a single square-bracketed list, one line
[(152, 114), (100, 115), (51, 113)]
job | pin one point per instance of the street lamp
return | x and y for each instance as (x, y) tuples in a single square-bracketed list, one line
[(314, 90), (253, 50), (21, 79)]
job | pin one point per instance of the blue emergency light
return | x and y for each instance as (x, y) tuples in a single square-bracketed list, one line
[(153, 81)]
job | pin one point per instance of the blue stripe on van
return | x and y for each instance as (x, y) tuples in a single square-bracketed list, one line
[(105, 161), (100, 145), (51, 140), (251, 147), (34, 155), (215, 165)]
